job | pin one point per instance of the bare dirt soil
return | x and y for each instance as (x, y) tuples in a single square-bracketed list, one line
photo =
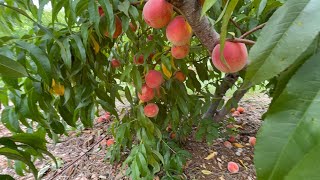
[(81, 155)]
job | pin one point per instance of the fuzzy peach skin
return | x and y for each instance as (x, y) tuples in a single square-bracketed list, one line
[(157, 13), (147, 94), (235, 54), (151, 110), (180, 52), (179, 31), (154, 79)]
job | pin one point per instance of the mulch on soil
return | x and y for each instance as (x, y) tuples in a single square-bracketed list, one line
[(93, 166)]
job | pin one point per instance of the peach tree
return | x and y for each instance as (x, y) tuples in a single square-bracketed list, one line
[(171, 62)]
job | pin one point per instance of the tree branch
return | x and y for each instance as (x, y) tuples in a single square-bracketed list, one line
[(227, 82), (252, 31)]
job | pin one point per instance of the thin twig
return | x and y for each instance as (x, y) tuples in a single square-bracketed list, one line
[(74, 161), (252, 31), (240, 40), (236, 25)]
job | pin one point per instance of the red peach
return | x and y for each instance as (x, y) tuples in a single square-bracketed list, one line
[(101, 12), (232, 139), (180, 52), (252, 141), (235, 114), (240, 109), (151, 110), (180, 76), (110, 142), (118, 30), (132, 27), (178, 31), (172, 135), (233, 167), (139, 60), (154, 78), (100, 120), (147, 93), (227, 144), (115, 63), (150, 37), (157, 13), (235, 54)]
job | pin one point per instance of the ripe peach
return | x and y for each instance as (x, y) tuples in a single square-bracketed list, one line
[(154, 78), (178, 31), (107, 115), (100, 120), (115, 63), (118, 30), (150, 37), (132, 27), (147, 94), (240, 109), (180, 76), (151, 110), (235, 54), (252, 141), (110, 142), (101, 12), (139, 60), (233, 167), (235, 114), (157, 13), (232, 139), (227, 144), (172, 135), (180, 52)]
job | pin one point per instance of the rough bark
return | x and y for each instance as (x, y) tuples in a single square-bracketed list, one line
[(227, 82), (209, 37)]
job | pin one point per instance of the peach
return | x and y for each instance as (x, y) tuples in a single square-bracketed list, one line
[(232, 139), (180, 52), (235, 54), (240, 109), (233, 110), (107, 115), (233, 167), (101, 12), (138, 60), (252, 141), (172, 135), (236, 114), (154, 78), (151, 110), (132, 27), (180, 76), (100, 120), (115, 63), (178, 31), (150, 37), (118, 30), (147, 93), (110, 142), (157, 13), (227, 144)]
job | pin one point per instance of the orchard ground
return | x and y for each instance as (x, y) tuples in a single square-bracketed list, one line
[(93, 166)]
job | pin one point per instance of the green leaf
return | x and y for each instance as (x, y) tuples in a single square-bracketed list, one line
[(11, 68), (6, 177), (206, 6), (280, 43), (224, 28), (10, 119), (124, 7), (280, 152), (19, 167), (40, 58)]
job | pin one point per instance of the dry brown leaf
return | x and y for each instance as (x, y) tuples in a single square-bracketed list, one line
[(238, 126), (211, 155), (238, 145), (241, 162), (206, 172)]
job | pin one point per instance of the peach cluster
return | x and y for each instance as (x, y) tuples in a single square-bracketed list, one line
[(158, 14)]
